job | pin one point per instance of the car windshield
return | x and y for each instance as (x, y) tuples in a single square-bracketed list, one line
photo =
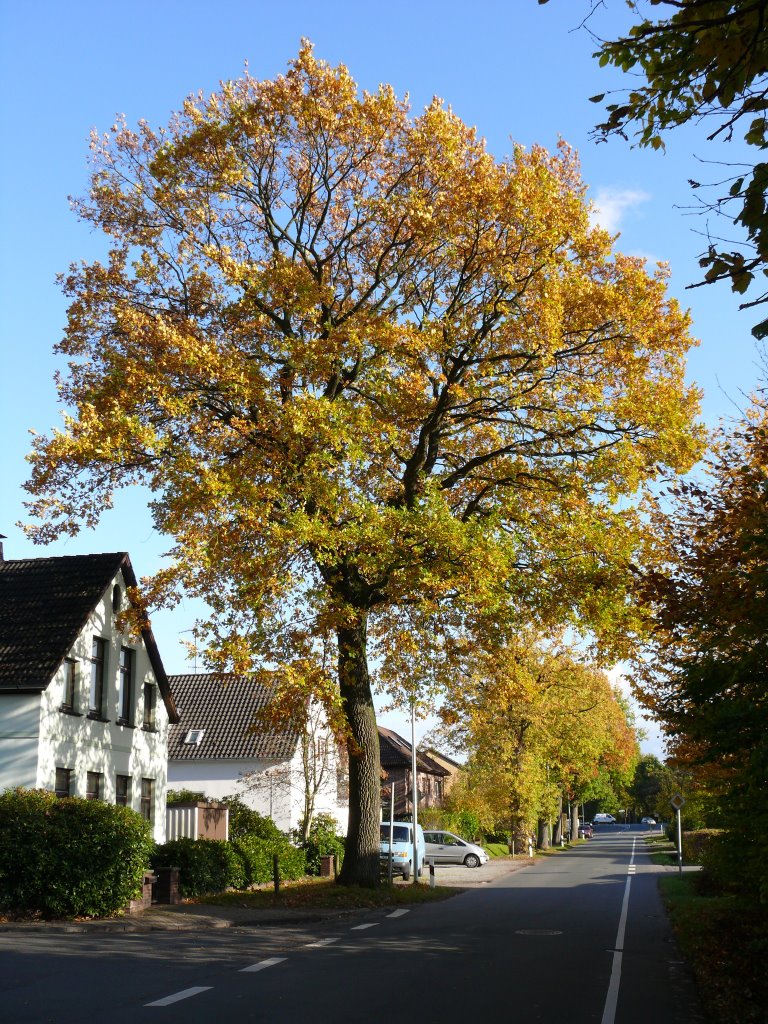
[(400, 834)]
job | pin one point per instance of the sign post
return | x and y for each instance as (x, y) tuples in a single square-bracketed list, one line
[(678, 802)]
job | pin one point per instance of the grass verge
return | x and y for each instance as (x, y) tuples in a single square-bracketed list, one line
[(725, 940), (496, 849), (663, 852), (324, 893)]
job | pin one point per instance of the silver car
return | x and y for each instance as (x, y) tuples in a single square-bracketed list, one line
[(446, 848)]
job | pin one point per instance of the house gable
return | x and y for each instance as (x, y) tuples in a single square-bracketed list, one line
[(218, 748), (60, 648), (45, 604)]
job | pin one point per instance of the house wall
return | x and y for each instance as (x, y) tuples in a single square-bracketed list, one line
[(19, 740), (429, 787), (73, 740), (273, 788), (268, 790)]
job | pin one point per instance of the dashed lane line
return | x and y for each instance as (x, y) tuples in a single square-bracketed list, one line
[(262, 965), (178, 996)]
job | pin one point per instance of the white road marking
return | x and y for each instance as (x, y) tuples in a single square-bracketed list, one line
[(612, 998), (178, 996), (360, 927), (263, 964), (320, 942), (398, 913)]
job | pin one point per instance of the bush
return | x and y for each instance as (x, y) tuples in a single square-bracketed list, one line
[(206, 866), (185, 796), (324, 840), (69, 858), (244, 821), (255, 856), (696, 843)]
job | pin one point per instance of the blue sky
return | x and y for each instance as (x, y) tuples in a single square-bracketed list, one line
[(513, 69)]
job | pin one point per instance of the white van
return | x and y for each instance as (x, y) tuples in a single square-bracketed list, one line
[(402, 848), (604, 819)]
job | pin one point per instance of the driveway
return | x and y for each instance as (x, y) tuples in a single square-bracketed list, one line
[(466, 878)]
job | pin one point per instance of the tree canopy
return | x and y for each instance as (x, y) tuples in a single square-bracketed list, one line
[(704, 61), (706, 673), (537, 726), (377, 381)]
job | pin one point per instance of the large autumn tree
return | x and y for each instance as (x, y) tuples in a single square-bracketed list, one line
[(539, 727), (366, 370)]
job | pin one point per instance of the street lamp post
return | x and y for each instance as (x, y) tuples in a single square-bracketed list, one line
[(414, 793)]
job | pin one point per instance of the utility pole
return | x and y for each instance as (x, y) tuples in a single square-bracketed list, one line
[(414, 793)]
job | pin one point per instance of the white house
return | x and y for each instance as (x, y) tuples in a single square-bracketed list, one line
[(84, 708), (218, 749)]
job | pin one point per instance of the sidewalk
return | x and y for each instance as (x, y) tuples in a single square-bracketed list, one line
[(205, 916)]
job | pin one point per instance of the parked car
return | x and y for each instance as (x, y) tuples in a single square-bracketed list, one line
[(604, 819), (647, 821), (446, 848), (402, 848), (585, 830)]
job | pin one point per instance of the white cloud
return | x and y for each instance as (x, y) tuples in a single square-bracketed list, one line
[(610, 204)]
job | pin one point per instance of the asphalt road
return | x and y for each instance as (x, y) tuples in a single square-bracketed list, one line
[(580, 936)]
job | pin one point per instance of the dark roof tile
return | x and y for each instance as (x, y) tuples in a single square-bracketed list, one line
[(395, 752), (224, 707), (45, 604)]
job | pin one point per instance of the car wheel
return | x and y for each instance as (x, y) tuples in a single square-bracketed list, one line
[(472, 861), (407, 875)]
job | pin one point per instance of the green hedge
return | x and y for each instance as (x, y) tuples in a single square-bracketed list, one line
[(209, 866), (69, 858), (256, 857), (205, 865), (696, 844), (324, 840)]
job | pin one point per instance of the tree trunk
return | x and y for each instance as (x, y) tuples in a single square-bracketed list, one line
[(574, 820), (557, 834), (361, 849), (542, 835), (517, 813)]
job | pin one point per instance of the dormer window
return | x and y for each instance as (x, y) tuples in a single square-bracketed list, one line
[(194, 737)]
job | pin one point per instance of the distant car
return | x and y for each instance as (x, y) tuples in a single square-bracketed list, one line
[(585, 830), (604, 819), (647, 821), (446, 848)]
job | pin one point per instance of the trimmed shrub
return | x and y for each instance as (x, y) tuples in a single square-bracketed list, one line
[(324, 840), (696, 843), (244, 821), (256, 859), (71, 857), (206, 866), (185, 796)]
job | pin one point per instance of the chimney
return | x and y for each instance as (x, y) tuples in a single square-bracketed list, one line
[(2, 538)]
